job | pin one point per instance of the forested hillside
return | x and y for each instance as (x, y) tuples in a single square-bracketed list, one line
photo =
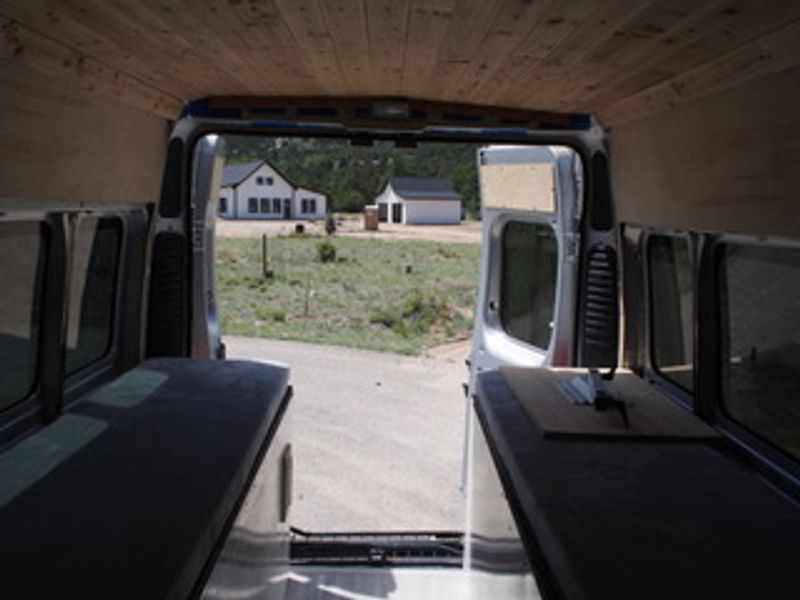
[(351, 176)]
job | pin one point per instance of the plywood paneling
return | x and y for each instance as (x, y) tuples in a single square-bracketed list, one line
[(621, 59), (697, 167), (63, 145)]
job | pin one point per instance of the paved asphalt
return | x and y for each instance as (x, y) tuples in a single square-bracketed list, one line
[(378, 438)]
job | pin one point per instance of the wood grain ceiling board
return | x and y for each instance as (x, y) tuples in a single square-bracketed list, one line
[(620, 59), (387, 22), (347, 25), (457, 49), (722, 28), (428, 24), (552, 54)]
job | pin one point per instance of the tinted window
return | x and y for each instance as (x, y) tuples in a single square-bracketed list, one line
[(761, 333), (528, 281), (21, 273), (671, 308), (92, 293)]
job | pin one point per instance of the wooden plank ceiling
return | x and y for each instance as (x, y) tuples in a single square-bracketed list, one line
[(618, 59)]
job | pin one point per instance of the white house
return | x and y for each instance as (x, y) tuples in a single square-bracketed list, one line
[(419, 201), (257, 190)]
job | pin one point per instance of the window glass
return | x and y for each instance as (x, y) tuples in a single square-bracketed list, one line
[(312, 205), (22, 255), (760, 323), (528, 281), (276, 205), (92, 291), (671, 308), (252, 205), (223, 205), (264, 205)]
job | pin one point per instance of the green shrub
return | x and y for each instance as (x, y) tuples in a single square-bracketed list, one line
[(330, 224), (326, 252), (266, 314), (388, 317), (418, 314)]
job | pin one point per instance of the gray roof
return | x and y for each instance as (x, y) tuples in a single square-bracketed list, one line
[(236, 174), (424, 188)]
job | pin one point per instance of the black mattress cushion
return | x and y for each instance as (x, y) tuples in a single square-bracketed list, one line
[(126, 495), (636, 519)]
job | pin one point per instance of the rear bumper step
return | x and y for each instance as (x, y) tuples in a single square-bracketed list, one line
[(439, 548)]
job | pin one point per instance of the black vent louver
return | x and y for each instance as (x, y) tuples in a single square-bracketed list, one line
[(600, 326)]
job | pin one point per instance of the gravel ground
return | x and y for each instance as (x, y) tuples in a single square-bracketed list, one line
[(378, 437)]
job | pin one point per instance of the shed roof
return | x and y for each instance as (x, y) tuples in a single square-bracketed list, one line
[(424, 188)]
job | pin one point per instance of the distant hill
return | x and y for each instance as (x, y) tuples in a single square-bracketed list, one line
[(352, 176)]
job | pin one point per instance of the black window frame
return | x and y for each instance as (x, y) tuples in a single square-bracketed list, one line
[(252, 206), (259, 181), (107, 357), (685, 396), (30, 399), (276, 206), (264, 206), (43, 402), (501, 321), (770, 453)]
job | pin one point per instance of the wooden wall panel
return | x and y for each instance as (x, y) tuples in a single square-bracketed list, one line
[(62, 144), (26, 49), (698, 167)]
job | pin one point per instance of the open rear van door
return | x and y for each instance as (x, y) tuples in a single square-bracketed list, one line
[(548, 297), (531, 208)]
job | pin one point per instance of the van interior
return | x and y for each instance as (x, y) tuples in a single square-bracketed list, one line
[(632, 391)]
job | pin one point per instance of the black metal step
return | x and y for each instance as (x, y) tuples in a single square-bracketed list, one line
[(437, 548)]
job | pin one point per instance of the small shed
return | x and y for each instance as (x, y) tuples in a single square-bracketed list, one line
[(419, 201)]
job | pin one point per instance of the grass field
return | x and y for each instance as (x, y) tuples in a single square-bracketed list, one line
[(394, 296)]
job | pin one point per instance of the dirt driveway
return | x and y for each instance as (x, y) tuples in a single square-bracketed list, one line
[(352, 225)]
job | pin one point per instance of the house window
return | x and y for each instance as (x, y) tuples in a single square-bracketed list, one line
[(397, 212), (276, 206), (304, 205), (312, 205), (760, 327), (259, 181), (672, 308), (269, 180), (265, 205), (223, 205), (92, 294), (22, 265), (252, 205), (529, 267)]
